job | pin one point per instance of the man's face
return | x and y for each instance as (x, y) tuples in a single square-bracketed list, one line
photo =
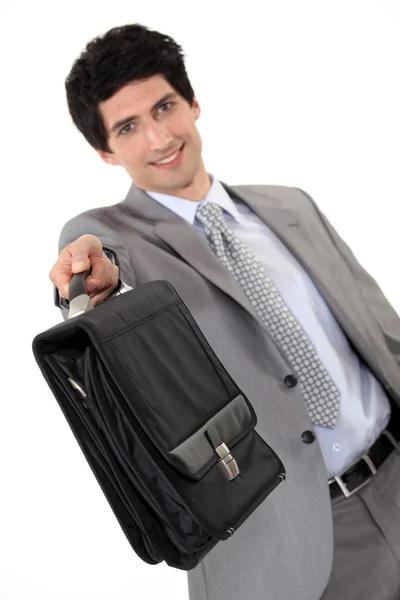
[(147, 121)]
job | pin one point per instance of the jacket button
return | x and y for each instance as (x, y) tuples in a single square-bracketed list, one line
[(308, 437), (290, 381)]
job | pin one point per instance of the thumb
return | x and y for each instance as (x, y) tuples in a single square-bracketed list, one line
[(80, 264), (82, 249)]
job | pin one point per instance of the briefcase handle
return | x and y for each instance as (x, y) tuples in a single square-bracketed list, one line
[(79, 301)]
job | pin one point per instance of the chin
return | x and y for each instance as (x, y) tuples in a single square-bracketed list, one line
[(176, 183)]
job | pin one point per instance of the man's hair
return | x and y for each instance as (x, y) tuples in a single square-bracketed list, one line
[(122, 55)]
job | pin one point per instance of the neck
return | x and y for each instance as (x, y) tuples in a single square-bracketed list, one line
[(197, 190)]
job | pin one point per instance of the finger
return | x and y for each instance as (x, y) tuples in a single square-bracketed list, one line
[(104, 275), (96, 298), (83, 250), (60, 275)]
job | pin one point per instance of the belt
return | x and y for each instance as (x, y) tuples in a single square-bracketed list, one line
[(362, 470)]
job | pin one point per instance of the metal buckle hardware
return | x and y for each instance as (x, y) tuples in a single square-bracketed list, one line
[(369, 462), (227, 463), (344, 487)]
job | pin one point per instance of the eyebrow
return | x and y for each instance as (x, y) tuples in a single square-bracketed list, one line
[(126, 120)]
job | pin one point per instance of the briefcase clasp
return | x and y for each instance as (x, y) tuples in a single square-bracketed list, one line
[(227, 463)]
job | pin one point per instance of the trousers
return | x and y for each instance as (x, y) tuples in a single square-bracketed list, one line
[(366, 564)]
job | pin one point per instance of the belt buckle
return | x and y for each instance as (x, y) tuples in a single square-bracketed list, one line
[(369, 462), (344, 487)]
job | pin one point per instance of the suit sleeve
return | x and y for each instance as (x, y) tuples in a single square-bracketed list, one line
[(113, 247), (386, 316)]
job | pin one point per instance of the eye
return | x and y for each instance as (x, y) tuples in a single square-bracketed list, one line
[(166, 106), (126, 129)]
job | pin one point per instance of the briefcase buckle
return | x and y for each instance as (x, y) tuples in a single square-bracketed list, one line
[(227, 463)]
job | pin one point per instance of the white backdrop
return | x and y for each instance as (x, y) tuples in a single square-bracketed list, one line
[(294, 93)]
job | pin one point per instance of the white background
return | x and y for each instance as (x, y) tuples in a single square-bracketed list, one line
[(294, 93)]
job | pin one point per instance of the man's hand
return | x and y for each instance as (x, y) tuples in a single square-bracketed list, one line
[(86, 252)]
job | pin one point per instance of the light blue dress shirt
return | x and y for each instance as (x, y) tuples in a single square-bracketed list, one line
[(364, 408)]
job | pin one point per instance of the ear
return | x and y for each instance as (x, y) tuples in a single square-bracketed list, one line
[(195, 109), (108, 158)]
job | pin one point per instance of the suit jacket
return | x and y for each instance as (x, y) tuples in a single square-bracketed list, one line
[(285, 549)]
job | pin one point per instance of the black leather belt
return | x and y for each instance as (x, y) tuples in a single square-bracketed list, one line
[(362, 470)]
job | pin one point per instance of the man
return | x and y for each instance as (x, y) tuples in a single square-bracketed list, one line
[(301, 327)]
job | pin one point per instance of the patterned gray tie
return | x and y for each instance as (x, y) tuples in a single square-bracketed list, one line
[(321, 396)]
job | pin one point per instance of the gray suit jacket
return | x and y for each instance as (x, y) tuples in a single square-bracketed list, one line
[(284, 550)]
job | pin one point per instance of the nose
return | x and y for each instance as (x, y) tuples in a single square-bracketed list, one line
[(158, 136)]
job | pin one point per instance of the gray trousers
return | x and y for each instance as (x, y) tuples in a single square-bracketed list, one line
[(366, 562)]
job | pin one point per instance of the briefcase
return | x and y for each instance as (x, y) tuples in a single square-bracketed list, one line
[(167, 432)]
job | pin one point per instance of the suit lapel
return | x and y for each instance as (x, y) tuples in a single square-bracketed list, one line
[(185, 241), (290, 229), (312, 251)]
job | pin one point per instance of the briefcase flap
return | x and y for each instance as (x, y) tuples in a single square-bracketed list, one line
[(161, 372)]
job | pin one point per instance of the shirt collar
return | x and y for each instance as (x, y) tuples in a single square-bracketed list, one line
[(186, 209)]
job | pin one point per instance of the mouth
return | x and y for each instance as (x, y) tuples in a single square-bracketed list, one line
[(170, 161)]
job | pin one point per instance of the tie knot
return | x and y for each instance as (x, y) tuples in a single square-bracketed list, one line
[(211, 215)]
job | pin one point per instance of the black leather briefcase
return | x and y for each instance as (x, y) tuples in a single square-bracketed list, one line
[(168, 434)]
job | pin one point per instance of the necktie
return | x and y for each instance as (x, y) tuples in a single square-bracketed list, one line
[(321, 396)]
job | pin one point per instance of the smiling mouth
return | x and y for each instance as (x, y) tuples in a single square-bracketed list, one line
[(169, 159)]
